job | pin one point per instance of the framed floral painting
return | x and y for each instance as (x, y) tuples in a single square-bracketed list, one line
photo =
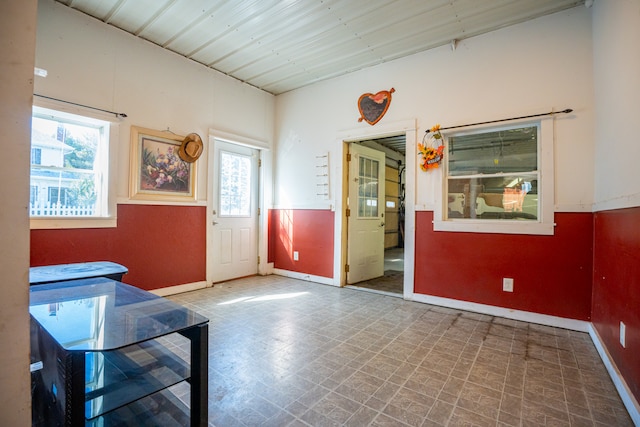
[(157, 172)]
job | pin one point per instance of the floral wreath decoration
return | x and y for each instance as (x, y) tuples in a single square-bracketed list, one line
[(432, 154)]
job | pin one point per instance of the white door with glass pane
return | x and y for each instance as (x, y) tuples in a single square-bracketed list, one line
[(365, 245), (234, 236)]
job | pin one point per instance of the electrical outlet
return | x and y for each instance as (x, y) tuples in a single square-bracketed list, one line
[(507, 284), (623, 333), (296, 256)]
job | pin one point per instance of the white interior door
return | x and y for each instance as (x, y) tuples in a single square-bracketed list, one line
[(365, 244), (235, 211)]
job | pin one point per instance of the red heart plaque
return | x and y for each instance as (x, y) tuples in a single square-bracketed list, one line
[(373, 107)]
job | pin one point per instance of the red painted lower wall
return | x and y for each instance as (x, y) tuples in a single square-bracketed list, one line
[(160, 245), (307, 231), (616, 289), (552, 274)]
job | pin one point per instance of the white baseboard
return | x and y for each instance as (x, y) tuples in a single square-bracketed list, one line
[(304, 276), (525, 316), (621, 385), (178, 289)]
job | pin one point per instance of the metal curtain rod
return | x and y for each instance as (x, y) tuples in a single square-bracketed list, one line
[(550, 113), (81, 105)]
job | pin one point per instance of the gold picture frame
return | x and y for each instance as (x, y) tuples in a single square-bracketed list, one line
[(157, 172)]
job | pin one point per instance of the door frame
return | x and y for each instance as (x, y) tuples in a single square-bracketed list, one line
[(265, 195), (409, 128)]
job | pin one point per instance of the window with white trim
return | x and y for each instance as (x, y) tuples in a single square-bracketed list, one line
[(69, 169), (499, 180)]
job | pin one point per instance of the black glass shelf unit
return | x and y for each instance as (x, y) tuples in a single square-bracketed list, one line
[(100, 360)]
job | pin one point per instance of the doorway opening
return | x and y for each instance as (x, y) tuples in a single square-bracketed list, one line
[(391, 187)]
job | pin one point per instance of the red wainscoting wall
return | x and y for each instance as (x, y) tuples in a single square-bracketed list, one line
[(307, 231), (552, 274), (616, 289), (160, 245)]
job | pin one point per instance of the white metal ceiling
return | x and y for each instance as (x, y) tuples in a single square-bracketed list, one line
[(281, 45)]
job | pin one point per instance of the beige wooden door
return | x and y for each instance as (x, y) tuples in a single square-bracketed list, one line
[(365, 240)]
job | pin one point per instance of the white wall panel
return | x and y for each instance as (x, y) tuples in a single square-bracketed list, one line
[(616, 32), (528, 68), (92, 63)]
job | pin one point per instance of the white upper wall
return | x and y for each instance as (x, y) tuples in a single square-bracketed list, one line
[(616, 64), (91, 63), (534, 67)]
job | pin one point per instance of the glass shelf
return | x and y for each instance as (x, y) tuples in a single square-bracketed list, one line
[(116, 378), (100, 314), (159, 409)]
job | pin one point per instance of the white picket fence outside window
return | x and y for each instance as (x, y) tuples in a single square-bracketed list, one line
[(55, 209)]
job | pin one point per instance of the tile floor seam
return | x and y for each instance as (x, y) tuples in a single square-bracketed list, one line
[(521, 406), (381, 411), (455, 405), (564, 388), (588, 401), (379, 352)]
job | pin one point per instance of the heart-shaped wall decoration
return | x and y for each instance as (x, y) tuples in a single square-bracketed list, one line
[(373, 107)]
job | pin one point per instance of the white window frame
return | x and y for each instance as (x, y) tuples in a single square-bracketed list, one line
[(108, 219), (544, 225)]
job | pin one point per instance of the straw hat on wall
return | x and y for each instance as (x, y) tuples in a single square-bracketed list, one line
[(191, 148)]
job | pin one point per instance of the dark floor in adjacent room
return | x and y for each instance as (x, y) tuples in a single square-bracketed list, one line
[(285, 352), (392, 282)]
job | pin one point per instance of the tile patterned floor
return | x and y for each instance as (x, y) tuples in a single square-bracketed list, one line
[(285, 352)]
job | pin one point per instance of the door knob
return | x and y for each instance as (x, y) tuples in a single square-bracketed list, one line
[(382, 224), (214, 222)]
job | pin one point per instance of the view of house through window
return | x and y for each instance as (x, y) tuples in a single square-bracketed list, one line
[(235, 184), (68, 165), (494, 174)]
